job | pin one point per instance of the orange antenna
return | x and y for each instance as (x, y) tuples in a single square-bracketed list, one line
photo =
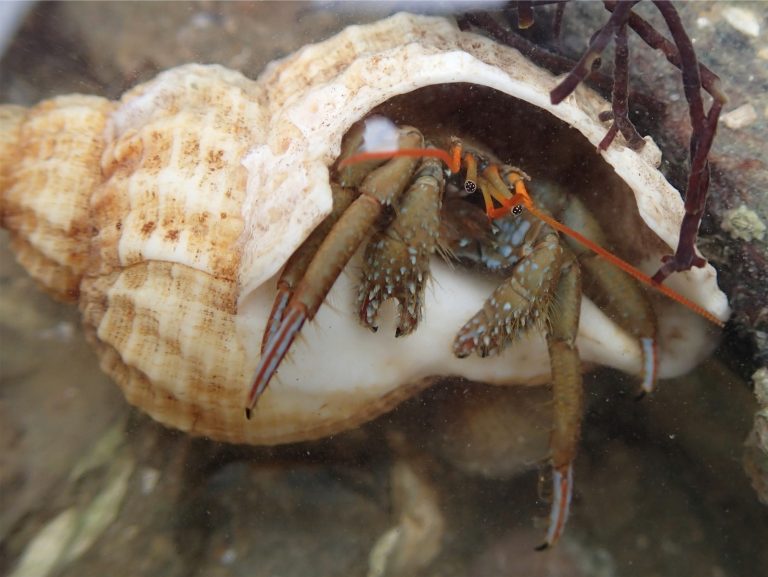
[(625, 266), (521, 197)]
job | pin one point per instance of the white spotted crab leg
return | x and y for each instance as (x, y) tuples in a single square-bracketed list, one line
[(380, 188), (396, 263), (522, 299), (543, 288)]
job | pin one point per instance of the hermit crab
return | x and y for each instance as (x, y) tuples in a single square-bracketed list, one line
[(168, 216), (541, 288)]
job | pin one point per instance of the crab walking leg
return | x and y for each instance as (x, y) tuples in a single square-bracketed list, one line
[(381, 187), (567, 392), (299, 262), (518, 302), (349, 179), (618, 293), (396, 264), (627, 304)]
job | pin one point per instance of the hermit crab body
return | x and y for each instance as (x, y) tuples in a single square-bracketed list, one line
[(167, 215), (542, 276)]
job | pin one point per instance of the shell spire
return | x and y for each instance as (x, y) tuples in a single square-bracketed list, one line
[(52, 153)]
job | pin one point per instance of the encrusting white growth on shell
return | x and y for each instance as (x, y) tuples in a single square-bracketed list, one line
[(168, 213), (380, 135)]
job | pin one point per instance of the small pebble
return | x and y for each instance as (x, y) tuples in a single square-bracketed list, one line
[(149, 478), (742, 20), (739, 117), (760, 379), (61, 332), (228, 557)]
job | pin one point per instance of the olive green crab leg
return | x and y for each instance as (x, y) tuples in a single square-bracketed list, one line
[(297, 265), (618, 294), (567, 392), (349, 179), (380, 188)]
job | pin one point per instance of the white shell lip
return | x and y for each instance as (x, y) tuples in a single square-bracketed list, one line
[(343, 78)]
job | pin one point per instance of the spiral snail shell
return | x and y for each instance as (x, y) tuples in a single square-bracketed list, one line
[(166, 214)]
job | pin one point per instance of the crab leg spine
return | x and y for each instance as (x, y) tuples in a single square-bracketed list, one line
[(561, 505), (274, 352), (396, 263), (284, 293)]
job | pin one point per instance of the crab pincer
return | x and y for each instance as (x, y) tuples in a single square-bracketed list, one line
[(396, 262), (543, 290), (382, 187)]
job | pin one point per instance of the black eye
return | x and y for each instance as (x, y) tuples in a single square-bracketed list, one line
[(518, 209), (470, 186)]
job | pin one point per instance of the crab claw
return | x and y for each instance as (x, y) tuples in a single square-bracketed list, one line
[(562, 480), (274, 352)]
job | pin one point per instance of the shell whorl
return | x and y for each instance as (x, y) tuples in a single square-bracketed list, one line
[(160, 297), (55, 147), (173, 186)]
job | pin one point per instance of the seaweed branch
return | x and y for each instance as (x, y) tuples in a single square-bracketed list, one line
[(620, 111), (599, 41), (542, 57)]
